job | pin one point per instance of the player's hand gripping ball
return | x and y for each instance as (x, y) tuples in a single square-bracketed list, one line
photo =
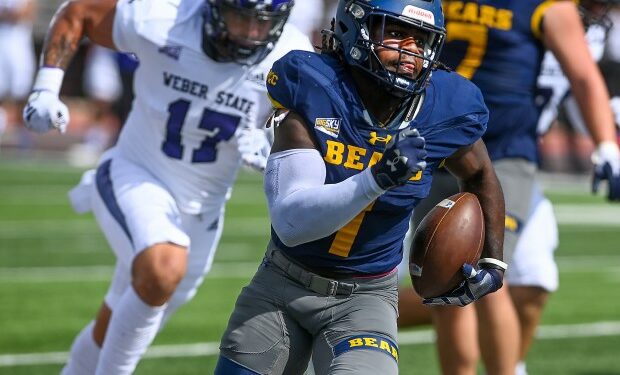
[(449, 236)]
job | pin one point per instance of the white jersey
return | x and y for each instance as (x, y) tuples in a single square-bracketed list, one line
[(188, 109), (308, 15), (553, 85), (13, 4), (18, 66)]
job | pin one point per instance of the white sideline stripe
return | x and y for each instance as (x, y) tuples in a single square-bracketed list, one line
[(566, 214), (104, 273), (37, 228), (564, 331), (236, 269)]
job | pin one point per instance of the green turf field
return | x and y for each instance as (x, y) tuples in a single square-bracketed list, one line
[(55, 265)]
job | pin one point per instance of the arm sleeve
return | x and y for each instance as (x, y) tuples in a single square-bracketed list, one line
[(302, 207)]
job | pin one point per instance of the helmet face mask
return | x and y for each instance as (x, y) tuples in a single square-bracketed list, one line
[(594, 12), (243, 31), (396, 42)]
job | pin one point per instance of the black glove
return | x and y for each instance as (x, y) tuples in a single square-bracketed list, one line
[(404, 156), (477, 284)]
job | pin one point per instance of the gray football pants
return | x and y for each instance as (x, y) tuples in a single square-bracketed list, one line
[(287, 313)]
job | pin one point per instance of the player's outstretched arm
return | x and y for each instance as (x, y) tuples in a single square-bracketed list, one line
[(472, 166), (564, 36), (73, 20)]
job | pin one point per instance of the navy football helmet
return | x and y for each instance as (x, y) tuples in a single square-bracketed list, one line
[(262, 22), (355, 22), (594, 12)]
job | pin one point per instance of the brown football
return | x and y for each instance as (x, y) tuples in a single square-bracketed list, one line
[(451, 234)]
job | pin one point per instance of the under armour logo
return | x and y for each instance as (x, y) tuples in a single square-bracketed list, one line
[(374, 138), (393, 163)]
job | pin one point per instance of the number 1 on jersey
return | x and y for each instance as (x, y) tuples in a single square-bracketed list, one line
[(217, 126)]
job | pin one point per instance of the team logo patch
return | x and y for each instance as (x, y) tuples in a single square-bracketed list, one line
[(258, 78), (446, 203), (329, 126), (419, 14), (272, 78), (171, 51), (367, 342)]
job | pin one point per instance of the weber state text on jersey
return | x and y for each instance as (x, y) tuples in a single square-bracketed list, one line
[(321, 90), (187, 108), (496, 44)]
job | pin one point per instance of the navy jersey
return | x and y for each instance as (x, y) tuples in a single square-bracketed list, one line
[(496, 44), (320, 89)]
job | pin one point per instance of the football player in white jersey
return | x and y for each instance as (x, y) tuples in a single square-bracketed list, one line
[(17, 66), (159, 194)]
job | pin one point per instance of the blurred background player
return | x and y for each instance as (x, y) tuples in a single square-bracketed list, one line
[(566, 145), (499, 45), (347, 167), (17, 60), (308, 17), (159, 194), (103, 85)]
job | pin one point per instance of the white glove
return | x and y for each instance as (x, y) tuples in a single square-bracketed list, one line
[(45, 111), (254, 147), (606, 159)]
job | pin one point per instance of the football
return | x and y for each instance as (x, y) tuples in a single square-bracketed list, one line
[(451, 234)]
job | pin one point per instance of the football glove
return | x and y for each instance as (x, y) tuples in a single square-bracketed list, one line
[(45, 111), (477, 284), (254, 146), (606, 159), (404, 156)]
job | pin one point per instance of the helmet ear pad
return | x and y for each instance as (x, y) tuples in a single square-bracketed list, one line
[(217, 41)]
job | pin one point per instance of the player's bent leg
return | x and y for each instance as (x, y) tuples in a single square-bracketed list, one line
[(411, 311), (157, 271), (498, 329), (84, 353), (201, 253), (101, 324), (533, 274), (457, 339), (530, 302), (227, 367), (261, 335), (358, 335), (382, 360)]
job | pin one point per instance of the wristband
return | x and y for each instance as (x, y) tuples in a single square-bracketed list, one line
[(49, 79), (494, 262)]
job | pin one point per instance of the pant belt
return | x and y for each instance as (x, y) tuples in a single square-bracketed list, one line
[(310, 280)]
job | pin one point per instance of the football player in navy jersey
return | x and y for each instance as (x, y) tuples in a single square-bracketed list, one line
[(499, 45), (359, 131), (159, 194)]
